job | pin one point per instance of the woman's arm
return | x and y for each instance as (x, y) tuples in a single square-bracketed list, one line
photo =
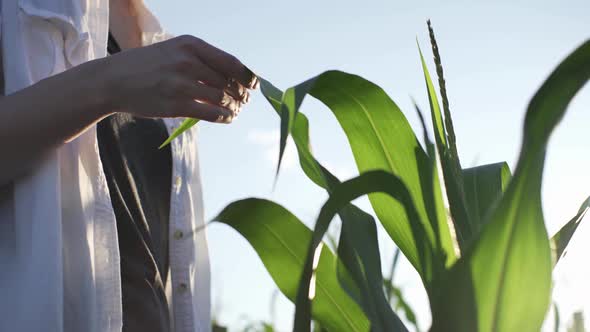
[(40, 118), (181, 77)]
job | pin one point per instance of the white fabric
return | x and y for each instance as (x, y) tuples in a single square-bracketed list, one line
[(59, 258)]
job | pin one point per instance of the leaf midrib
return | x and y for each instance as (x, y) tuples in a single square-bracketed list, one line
[(377, 134), (502, 281)]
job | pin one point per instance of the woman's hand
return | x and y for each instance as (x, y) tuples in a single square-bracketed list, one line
[(180, 77)]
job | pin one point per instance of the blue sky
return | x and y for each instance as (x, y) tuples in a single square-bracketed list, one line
[(495, 56)]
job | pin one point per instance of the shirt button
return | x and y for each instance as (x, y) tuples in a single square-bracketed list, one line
[(178, 234), (183, 287)]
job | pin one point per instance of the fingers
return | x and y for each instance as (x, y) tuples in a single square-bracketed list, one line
[(207, 112), (220, 61), (212, 78), (203, 73), (237, 91), (192, 68), (210, 95)]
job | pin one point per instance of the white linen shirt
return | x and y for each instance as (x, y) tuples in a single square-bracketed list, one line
[(59, 255)]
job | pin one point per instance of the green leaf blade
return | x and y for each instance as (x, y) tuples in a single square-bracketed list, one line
[(484, 186), (561, 239), (184, 126), (340, 198), (450, 165), (281, 241), (504, 282), (380, 138), (440, 136), (358, 250)]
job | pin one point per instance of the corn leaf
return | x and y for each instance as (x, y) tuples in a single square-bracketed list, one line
[(368, 182), (395, 295), (402, 305), (503, 282), (380, 138), (561, 239), (281, 240), (484, 186), (358, 249), (290, 104), (388, 282), (440, 136), (184, 126), (300, 134), (434, 196)]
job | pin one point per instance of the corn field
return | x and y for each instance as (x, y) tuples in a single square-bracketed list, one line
[(476, 236)]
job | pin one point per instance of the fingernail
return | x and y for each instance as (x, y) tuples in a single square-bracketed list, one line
[(229, 117), (253, 84), (224, 116), (225, 100), (245, 97)]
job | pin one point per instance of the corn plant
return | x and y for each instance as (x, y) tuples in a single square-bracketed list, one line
[(485, 264), (393, 293)]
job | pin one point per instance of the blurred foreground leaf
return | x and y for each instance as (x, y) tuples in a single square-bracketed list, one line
[(503, 282)]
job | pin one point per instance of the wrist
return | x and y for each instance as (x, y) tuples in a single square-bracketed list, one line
[(101, 91)]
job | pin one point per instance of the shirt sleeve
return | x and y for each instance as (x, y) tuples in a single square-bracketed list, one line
[(152, 30)]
